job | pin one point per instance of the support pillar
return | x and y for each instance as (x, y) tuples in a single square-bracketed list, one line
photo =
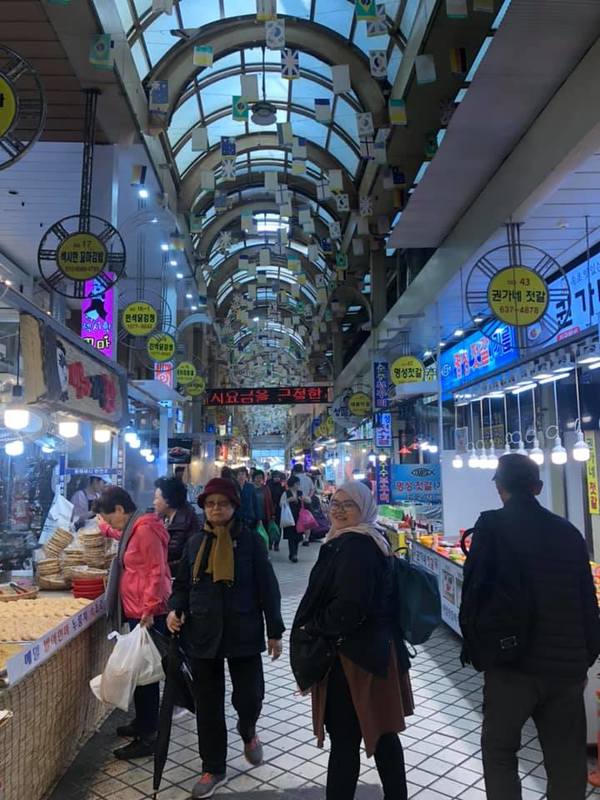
[(378, 286)]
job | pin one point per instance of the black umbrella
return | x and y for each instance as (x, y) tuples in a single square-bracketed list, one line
[(178, 691)]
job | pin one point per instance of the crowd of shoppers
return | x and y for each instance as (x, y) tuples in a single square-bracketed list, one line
[(529, 618)]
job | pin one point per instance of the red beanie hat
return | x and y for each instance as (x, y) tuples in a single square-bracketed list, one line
[(222, 486)]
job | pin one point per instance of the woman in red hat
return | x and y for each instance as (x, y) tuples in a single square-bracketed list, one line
[(224, 593)]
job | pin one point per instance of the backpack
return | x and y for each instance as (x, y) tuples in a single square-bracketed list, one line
[(418, 604), (496, 608)]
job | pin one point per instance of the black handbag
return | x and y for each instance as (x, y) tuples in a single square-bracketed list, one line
[(311, 657)]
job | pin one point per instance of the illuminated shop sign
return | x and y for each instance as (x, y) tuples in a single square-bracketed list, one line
[(269, 396), (584, 311), (475, 357)]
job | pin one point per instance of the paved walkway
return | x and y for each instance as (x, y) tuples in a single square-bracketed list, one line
[(441, 744)]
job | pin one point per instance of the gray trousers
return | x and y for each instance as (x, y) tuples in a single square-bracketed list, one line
[(510, 698)]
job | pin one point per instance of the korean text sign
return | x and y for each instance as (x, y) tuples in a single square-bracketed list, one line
[(475, 357), (288, 395), (416, 483)]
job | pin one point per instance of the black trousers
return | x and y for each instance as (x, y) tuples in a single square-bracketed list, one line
[(510, 698), (209, 689), (294, 538), (344, 759), (146, 699)]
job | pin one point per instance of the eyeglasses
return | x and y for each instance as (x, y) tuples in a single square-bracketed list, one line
[(210, 504), (349, 505)]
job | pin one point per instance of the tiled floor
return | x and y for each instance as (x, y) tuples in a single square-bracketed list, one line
[(441, 743)]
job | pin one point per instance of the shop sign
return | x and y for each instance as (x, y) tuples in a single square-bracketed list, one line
[(8, 106), (196, 386), (583, 311), (407, 369), (97, 317), (161, 347), (360, 405), (383, 429), (139, 318), (383, 483), (475, 357), (592, 475), (185, 372), (63, 377), (416, 483), (164, 373), (381, 385), (81, 257), (35, 653), (268, 396), (518, 296)]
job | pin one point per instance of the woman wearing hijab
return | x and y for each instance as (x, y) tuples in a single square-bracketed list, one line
[(343, 649), (224, 592)]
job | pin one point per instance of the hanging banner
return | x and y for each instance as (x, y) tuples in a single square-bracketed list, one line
[(591, 471), (417, 483), (164, 373), (381, 384), (475, 357), (382, 429), (62, 377), (383, 483), (161, 347), (185, 372), (360, 405), (196, 387), (139, 318), (407, 369), (97, 318)]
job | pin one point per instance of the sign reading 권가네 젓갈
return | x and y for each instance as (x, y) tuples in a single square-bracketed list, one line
[(267, 396)]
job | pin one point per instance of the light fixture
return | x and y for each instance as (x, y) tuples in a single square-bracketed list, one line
[(558, 454), (145, 451), (382, 457), (372, 457), (478, 319), (188, 295), (193, 308), (144, 194), (457, 461), (173, 262), (553, 378), (48, 448), (150, 458), (358, 475), (492, 458), (433, 448), (102, 435), (536, 453), (179, 276), (595, 365), (135, 444), (459, 332), (442, 344), (255, 319), (14, 448), (581, 450), (16, 418), (525, 387), (164, 247), (130, 436), (263, 112), (473, 461), (427, 354), (68, 429)]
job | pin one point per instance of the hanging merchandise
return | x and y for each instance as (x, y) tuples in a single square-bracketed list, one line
[(323, 110), (82, 247), (425, 69), (378, 26), (340, 75), (266, 10), (366, 10), (290, 64), (102, 54), (22, 107), (378, 63), (397, 111), (275, 34), (203, 56)]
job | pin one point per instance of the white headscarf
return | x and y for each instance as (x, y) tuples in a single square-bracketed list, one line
[(363, 497)]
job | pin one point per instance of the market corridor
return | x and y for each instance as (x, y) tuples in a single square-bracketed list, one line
[(441, 744)]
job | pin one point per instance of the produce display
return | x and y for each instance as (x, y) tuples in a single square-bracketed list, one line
[(449, 550), (86, 555), (8, 651), (29, 620)]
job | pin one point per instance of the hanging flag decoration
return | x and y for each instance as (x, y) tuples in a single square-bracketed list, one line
[(365, 205), (341, 261), (264, 257), (266, 10), (177, 242), (458, 61), (380, 153), (221, 202), (196, 222), (431, 144), (378, 63), (271, 181), (207, 180), (309, 226), (457, 9), (365, 124), (199, 140), (335, 230), (285, 134), (340, 76), (228, 167), (293, 264), (342, 202), (138, 174), (249, 86), (327, 246), (367, 148), (228, 146), (162, 6), (323, 110), (102, 54), (362, 226), (203, 56), (298, 166), (486, 6), (275, 34), (379, 26), (299, 147), (290, 63), (425, 69), (366, 10), (313, 253), (393, 177), (239, 109), (397, 109), (323, 190), (336, 180), (159, 96)]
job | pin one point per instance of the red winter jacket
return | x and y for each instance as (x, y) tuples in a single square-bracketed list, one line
[(146, 578)]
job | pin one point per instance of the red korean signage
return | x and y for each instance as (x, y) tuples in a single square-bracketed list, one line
[(269, 396)]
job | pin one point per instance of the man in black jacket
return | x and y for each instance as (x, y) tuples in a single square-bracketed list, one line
[(530, 620)]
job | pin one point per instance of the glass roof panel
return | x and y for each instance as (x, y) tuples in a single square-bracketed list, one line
[(309, 128), (236, 8), (185, 157), (408, 17), (343, 152), (142, 5), (335, 14), (224, 126), (218, 95), (276, 87), (305, 92), (254, 55), (394, 65), (183, 119), (140, 60), (345, 117), (195, 14), (295, 8), (158, 39), (125, 13)]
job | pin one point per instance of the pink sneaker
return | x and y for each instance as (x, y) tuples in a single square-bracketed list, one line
[(208, 785)]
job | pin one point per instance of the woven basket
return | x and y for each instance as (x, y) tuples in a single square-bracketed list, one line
[(29, 595), (53, 583)]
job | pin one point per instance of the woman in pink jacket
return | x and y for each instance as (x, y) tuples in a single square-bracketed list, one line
[(139, 586)]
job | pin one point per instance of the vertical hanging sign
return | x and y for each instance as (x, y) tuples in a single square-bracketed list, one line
[(381, 384), (592, 475), (97, 317), (383, 429), (383, 483)]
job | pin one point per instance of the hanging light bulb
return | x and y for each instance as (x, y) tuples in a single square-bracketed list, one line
[(372, 457), (492, 458), (14, 448), (102, 435), (521, 448), (558, 454), (16, 418), (68, 429), (457, 461), (433, 448), (473, 461), (382, 457), (145, 451), (130, 436), (536, 453), (581, 451), (135, 444), (150, 457)]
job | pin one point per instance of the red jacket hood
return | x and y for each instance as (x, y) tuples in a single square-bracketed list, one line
[(154, 522)]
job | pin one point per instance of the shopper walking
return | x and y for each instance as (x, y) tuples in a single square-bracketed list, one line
[(224, 593), (276, 487), (343, 634), (290, 505), (171, 505), (266, 510), (138, 589), (530, 621), (249, 501)]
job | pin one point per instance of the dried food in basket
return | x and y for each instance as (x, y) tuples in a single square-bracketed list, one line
[(58, 542), (53, 583), (8, 593), (88, 573), (48, 566)]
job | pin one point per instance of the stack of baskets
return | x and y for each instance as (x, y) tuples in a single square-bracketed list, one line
[(88, 582), (49, 570), (95, 549), (73, 557), (58, 542)]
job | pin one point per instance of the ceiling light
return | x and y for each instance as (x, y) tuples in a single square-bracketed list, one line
[(173, 262), (526, 387), (595, 365), (179, 276), (553, 378), (382, 457), (492, 458), (68, 429), (164, 247), (48, 448), (102, 435), (188, 295), (459, 332), (16, 418), (264, 113), (473, 461), (135, 444), (372, 457), (581, 450), (457, 461), (144, 194), (477, 319), (536, 454), (427, 354), (559, 454), (14, 448), (130, 436), (194, 308), (433, 448), (150, 458), (255, 319), (442, 344), (591, 359), (145, 451)]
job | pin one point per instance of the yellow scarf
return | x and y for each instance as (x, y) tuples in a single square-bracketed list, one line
[(220, 559)]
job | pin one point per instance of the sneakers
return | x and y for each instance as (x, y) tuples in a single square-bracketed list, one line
[(305, 544), (127, 731), (253, 752), (138, 748), (208, 785)]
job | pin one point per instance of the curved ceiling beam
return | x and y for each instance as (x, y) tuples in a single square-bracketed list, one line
[(246, 144), (223, 310), (231, 265), (226, 36)]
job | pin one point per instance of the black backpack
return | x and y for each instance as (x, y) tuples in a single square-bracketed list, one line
[(418, 608), (496, 612)]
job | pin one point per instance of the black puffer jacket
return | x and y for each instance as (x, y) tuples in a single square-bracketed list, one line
[(553, 560), (228, 621), (184, 524)]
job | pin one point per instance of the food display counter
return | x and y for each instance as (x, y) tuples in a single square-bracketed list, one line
[(50, 648), (446, 563)]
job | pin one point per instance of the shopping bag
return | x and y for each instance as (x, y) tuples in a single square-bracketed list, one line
[(287, 518), (134, 661), (306, 521), (274, 532), (260, 529)]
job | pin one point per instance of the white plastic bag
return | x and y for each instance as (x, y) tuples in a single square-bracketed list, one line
[(135, 661), (287, 517)]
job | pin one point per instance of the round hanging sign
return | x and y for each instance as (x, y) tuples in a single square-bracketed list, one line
[(518, 296), (360, 404), (8, 106), (407, 369), (81, 256), (139, 318), (329, 426), (161, 347), (196, 387), (185, 372)]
